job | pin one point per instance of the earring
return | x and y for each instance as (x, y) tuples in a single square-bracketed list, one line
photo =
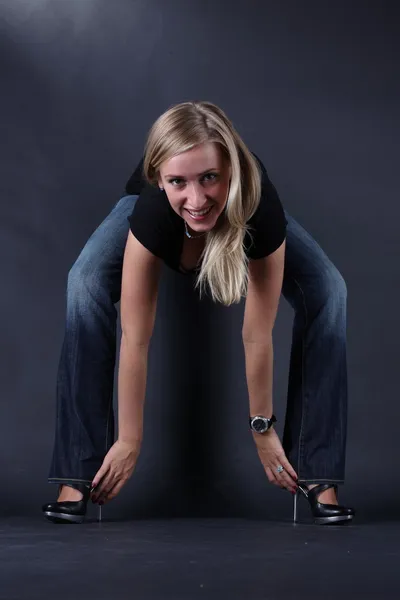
[(161, 189)]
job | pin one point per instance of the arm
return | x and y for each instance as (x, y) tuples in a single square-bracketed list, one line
[(140, 275), (264, 290)]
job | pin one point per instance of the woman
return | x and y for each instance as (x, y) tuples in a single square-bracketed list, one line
[(206, 206)]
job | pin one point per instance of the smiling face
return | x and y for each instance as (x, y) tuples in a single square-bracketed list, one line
[(197, 184)]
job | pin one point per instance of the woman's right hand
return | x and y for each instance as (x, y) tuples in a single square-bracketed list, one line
[(117, 467)]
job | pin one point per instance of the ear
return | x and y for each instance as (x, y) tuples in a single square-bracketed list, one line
[(160, 183)]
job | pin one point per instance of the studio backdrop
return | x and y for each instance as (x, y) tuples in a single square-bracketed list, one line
[(313, 89)]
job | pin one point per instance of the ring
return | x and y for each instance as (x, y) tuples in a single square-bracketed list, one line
[(279, 468)]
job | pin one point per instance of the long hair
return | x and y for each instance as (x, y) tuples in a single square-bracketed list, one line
[(224, 268)]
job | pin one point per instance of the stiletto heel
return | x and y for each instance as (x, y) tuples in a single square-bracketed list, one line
[(68, 512), (295, 507), (324, 514)]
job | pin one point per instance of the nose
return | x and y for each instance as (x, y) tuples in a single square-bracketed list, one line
[(196, 197)]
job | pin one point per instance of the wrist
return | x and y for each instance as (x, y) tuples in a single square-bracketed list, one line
[(134, 442), (261, 424)]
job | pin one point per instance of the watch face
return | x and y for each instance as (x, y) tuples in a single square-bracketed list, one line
[(259, 425)]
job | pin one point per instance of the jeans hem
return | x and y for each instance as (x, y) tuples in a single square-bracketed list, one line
[(65, 480), (312, 480)]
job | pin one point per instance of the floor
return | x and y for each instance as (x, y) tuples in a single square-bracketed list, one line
[(198, 558)]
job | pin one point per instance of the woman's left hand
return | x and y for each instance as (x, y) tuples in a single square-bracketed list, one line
[(272, 456)]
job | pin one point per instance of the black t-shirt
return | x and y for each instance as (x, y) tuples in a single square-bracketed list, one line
[(161, 230)]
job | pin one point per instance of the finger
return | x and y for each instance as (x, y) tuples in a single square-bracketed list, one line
[(101, 473), (105, 484), (284, 480), (116, 480), (115, 490), (279, 480), (287, 481), (271, 476), (108, 486), (288, 468)]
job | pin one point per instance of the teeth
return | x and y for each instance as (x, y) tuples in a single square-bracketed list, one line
[(199, 213)]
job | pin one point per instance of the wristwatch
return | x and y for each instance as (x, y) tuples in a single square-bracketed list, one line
[(261, 424)]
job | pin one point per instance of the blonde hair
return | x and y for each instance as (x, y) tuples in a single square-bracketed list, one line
[(224, 263)]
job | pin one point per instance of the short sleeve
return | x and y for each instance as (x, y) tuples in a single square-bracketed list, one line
[(267, 227), (136, 181), (151, 223)]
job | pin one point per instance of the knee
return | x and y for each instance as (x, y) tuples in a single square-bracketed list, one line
[(332, 292), (84, 284), (336, 284)]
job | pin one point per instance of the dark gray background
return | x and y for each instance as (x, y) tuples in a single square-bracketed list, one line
[(313, 88)]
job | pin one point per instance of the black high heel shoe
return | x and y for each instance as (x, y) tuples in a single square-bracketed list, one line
[(67, 511), (324, 514)]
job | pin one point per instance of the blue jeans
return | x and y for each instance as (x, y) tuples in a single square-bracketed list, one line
[(315, 425)]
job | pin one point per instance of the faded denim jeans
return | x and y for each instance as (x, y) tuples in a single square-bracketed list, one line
[(315, 426)]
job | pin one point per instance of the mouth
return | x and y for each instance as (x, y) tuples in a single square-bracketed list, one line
[(199, 215)]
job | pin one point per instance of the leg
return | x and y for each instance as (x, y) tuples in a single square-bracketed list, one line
[(315, 428), (84, 418)]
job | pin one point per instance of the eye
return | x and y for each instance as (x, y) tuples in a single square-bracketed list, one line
[(176, 181), (210, 176)]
